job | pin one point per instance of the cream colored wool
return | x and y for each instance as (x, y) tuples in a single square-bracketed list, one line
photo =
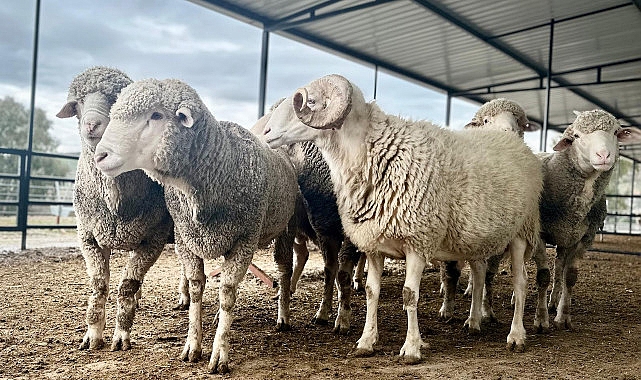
[(227, 192), (123, 213), (415, 191)]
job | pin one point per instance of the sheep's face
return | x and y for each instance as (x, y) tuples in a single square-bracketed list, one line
[(130, 144), (504, 121), (282, 126), (93, 116), (594, 140)]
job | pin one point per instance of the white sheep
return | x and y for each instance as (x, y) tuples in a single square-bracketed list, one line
[(495, 115), (127, 212), (414, 191), (227, 191), (573, 199)]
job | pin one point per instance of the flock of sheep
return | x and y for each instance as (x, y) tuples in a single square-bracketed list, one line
[(326, 166)]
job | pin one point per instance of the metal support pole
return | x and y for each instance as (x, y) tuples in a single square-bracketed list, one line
[(262, 86), (375, 80), (548, 84), (448, 109), (25, 172), (634, 166)]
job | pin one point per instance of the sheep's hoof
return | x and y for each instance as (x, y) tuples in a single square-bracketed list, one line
[(409, 359), (565, 325), (516, 347), (120, 344), (540, 329), (181, 306), (490, 319), (281, 326), (472, 330), (361, 353), (191, 356), (91, 344), (341, 330), (320, 321), (221, 368)]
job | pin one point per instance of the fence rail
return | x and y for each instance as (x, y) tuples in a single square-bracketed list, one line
[(54, 197)]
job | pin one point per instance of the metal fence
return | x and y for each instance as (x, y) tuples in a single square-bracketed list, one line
[(23, 195)]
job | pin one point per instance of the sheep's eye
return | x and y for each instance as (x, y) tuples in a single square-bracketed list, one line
[(576, 135), (156, 116), (486, 120)]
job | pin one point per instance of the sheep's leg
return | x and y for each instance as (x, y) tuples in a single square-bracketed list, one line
[(195, 274), (488, 293), (516, 337), (570, 273), (301, 255), (359, 274), (347, 256), (283, 258), (470, 284), (478, 269), (97, 263), (133, 275), (411, 350), (557, 281), (183, 290), (233, 270), (365, 345), (329, 248), (450, 273), (541, 317)]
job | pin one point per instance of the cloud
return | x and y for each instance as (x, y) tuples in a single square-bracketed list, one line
[(215, 54)]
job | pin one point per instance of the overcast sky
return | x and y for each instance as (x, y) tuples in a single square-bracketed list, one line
[(215, 54)]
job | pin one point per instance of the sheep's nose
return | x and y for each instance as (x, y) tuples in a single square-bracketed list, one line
[(603, 154), (99, 157), (92, 124)]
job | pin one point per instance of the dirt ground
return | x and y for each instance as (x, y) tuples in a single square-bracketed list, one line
[(43, 296)]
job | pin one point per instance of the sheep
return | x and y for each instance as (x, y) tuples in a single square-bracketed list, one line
[(497, 115), (320, 223), (227, 192), (573, 203), (127, 212), (414, 191)]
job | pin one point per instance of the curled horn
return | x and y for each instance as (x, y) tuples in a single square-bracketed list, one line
[(333, 101)]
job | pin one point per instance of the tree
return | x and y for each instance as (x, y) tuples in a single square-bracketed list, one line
[(14, 131)]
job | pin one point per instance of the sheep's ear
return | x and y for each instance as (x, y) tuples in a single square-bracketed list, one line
[(475, 123), (531, 126), (576, 113), (184, 115), (259, 128), (68, 110), (628, 135), (563, 144)]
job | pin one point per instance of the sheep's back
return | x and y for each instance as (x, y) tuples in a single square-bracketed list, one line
[(465, 193)]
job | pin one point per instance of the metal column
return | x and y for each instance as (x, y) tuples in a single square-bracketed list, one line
[(25, 164), (634, 167), (448, 109), (375, 80), (548, 83), (262, 86)]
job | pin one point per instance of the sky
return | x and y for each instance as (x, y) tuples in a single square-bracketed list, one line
[(217, 55)]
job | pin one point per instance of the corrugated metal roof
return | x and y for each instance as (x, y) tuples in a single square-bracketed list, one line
[(465, 47)]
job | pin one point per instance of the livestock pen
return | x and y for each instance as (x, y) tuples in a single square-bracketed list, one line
[(43, 300)]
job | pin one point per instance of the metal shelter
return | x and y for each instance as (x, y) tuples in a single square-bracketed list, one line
[(551, 57)]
